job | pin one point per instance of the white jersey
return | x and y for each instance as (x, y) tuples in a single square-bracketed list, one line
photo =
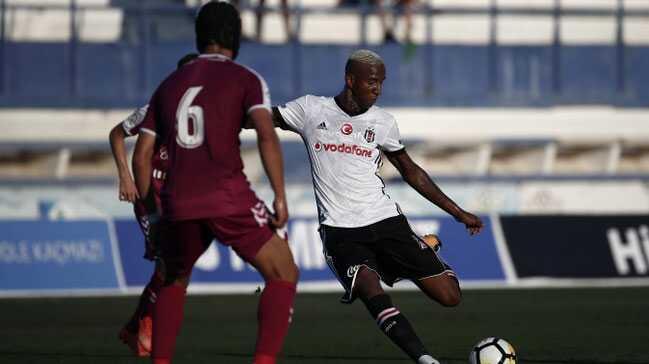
[(345, 154)]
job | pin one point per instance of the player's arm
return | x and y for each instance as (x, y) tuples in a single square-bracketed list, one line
[(127, 190), (278, 121), (142, 169), (418, 179), (271, 156)]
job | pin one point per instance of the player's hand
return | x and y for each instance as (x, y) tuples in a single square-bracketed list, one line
[(472, 222), (280, 217), (127, 190)]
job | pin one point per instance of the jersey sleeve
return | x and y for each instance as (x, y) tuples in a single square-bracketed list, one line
[(392, 141), (294, 113), (149, 121), (132, 123), (257, 94)]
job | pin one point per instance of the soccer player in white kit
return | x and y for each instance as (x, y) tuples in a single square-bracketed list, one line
[(366, 238)]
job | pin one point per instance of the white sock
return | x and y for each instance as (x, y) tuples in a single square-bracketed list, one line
[(427, 359)]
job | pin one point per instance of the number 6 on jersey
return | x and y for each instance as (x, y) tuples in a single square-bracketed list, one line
[(186, 113)]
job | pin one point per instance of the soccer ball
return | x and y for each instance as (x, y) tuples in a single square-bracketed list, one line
[(492, 350)]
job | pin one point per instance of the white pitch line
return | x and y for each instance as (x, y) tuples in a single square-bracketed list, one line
[(503, 250)]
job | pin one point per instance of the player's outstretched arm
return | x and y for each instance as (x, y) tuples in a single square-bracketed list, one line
[(271, 157), (127, 190), (418, 179)]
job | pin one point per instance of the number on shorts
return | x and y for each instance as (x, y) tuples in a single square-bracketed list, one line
[(187, 113)]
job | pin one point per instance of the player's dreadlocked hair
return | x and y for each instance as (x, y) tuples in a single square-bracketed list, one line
[(218, 23)]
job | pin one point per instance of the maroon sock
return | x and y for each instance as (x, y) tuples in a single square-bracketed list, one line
[(273, 317), (167, 318)]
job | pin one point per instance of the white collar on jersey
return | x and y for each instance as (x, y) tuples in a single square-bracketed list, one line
[(214, 55)]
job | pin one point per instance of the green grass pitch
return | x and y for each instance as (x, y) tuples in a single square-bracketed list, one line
[(549, 326)]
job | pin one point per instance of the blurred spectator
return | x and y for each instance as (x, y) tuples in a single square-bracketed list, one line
[(403, 6), (161, 26), (260, 11)]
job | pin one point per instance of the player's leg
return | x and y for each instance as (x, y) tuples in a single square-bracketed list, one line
[(248, 233), (183, 243), (407, 256), (388, 318), (351, 255), (149, 295), (274, 262), (137, 332), (443, 288)]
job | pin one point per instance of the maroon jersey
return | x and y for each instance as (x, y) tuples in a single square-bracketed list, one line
[(197, 114)]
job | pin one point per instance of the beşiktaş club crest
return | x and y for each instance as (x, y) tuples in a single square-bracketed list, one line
[(369, 135)]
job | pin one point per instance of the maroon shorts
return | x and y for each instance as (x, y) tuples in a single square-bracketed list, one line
[(183, 242)]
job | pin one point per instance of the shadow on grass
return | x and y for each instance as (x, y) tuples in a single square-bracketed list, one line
[(301, 357)]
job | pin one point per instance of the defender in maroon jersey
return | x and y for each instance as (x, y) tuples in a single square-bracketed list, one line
[(197, 114), (136, 333)]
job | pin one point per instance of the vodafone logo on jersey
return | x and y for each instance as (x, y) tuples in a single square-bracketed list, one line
[(346, 128), (343, 148)]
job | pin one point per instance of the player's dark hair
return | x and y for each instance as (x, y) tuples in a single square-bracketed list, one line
[(348, 67), (186, 59), (218, 23)]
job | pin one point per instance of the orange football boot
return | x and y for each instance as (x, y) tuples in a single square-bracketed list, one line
[(139, 342)]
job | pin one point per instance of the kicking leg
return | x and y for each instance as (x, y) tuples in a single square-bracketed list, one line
[(392, 322), (275, 263), (443, 288)]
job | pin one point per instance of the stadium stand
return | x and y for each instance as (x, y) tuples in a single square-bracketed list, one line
[(464, 54), (533, 114), (488, 88)]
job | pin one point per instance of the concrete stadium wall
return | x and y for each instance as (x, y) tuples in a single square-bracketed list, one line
[(579, 123)]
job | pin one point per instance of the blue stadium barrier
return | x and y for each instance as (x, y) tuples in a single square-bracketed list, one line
[(155, 34), (118, 75), (49, 256), (56, 257), (637, 66), (43, 257), (474, 259)]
